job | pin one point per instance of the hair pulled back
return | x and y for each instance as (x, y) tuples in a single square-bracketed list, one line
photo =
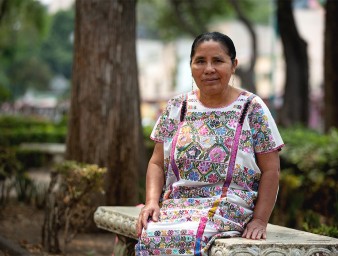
[(224, 40)]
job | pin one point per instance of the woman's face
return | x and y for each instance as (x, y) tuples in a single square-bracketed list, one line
[(211, 67)]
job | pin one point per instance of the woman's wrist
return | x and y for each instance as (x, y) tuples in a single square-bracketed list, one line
[(264, 220), (152, 201)]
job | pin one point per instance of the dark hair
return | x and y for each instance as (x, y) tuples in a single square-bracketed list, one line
[(224, 40)]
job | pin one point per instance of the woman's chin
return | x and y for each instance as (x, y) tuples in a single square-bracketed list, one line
[(211, 89)]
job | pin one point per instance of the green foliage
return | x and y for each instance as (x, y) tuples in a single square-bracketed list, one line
[(70, 206), (308, 196), (4, 93), (17, 130), (197, 14), (24, 187), (57, 49), (78, 176), (23, 25), (31, 40), (9, 165), (12, 122), (33, 158)]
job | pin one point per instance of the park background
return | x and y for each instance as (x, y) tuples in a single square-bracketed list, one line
[(86, 82)]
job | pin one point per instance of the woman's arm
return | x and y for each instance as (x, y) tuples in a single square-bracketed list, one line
[(154, 186), (267, 191)]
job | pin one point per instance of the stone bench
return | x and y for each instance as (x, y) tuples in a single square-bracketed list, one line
[(280, 241)]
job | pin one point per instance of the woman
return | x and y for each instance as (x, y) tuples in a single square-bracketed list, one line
[(215, 168)]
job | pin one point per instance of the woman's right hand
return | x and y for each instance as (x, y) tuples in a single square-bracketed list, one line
[(151, 211)]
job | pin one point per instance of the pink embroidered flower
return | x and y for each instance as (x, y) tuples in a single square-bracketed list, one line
[(204, 167), (191, 232), (246, 149), (171, 127), (157, 239), (212, 178), (203, 131), (146, 240), (228, 142), (232, 123), (156, 252), (217, 155), (243, 137)]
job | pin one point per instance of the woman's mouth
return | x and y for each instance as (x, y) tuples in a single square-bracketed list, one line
[(207, 80)]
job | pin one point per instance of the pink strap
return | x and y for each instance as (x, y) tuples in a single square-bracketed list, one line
[(232, 161)]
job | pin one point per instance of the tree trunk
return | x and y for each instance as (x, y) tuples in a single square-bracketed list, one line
[(105, 123), (296, 100), (331, 65)]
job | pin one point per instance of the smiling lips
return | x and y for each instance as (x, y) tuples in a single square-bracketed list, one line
[(211, 79)]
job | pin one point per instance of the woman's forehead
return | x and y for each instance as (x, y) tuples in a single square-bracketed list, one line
[(211, 47)]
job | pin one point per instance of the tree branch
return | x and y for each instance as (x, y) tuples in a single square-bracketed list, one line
[(3, 9), (251, 30), (195, 14), (177, 5)]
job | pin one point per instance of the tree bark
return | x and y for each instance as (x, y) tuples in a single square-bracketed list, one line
[(331, 65), (105, 122), (296, 100)]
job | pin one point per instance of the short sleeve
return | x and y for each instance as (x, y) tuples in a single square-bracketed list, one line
[(167, 123), (265, 134)]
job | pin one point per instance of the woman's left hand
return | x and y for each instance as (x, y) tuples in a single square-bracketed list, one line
[(256, 229)]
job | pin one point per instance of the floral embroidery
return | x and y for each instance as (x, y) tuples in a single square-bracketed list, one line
[(201, 156), (260, 128)]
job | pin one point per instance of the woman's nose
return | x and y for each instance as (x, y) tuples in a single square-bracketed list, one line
[(209, 68)]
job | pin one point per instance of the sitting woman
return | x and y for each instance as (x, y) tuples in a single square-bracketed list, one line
[(214, 171)]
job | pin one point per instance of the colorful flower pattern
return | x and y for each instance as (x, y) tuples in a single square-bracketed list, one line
[(201, 157)]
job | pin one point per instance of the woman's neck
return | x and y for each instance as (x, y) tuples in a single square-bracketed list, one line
[(225, 98)]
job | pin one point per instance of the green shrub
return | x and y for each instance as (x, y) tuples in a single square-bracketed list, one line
[(9, 167), (70, 201), (33, 158), (308, 187), (13, 122), (15, 130)]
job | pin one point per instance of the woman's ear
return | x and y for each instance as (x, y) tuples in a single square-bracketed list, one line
[(234, 65)]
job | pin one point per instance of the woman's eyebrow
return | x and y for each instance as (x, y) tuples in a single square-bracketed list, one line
[(218, 57), (199, 57)]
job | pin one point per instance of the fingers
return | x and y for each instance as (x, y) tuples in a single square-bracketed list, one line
[(245, 232), (142, 222), (255, 234), (139, 227), (155, 216), (144, 217), (255, 230)]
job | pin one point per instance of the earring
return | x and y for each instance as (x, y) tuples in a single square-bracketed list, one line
[(192, 84), (232, 79)]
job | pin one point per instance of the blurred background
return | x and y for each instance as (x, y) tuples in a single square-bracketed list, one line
[(37, 50), (281, 58)]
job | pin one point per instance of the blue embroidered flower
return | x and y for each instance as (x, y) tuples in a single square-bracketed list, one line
[(193, 176), (251, 172)]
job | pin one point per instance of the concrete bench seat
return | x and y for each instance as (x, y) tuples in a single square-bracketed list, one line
[(280, 241)]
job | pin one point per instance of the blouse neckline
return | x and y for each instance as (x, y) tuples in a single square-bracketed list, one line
[(194, 94)]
